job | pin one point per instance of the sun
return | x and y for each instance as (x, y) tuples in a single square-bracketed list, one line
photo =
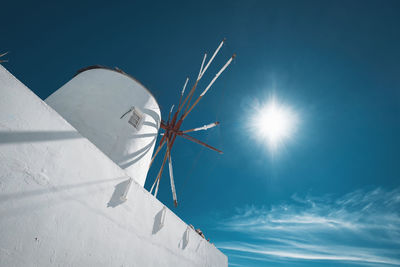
[(274, 123)]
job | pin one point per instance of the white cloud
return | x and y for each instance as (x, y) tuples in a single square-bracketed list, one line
[(362, 227)]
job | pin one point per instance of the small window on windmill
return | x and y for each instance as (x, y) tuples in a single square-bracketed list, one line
[(136, 119)]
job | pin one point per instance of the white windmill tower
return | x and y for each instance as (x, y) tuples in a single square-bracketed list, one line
[(94, 102)]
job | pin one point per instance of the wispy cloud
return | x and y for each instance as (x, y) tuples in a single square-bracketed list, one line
[(362, 227)]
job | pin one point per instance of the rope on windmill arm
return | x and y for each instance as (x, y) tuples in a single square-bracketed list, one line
[(212, 58)]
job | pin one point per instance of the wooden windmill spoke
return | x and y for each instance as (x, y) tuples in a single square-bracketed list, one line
[(170, 111), (157, 181), (200, 76), (218, 74), (152, 160), (173, 121), (190, 95), (165, 127), (201, 73), (171, 176), (188, 98), (172, 125), (177, 126), (155, 154), (212, 58), (208, 87), (190, 109), (163, 138), (200, 142), (183, 92), (201, 68), (157, 186)]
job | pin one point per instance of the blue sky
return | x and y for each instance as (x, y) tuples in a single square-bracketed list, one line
[(330, 194)]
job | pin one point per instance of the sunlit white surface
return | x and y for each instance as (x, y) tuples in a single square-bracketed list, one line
[(274, 123), (54, 206)]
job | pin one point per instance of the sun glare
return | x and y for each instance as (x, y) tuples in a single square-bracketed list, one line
[(274, 123)]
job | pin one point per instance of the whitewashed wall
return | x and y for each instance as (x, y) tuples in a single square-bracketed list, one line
[(59, 199), (93, 102)]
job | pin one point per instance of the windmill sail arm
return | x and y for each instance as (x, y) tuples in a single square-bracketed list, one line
[(155, 154), (184, 86), (182, 93), (157, 181), (171, 176), (212, 58), (203, 128), (218, 74), (187, 111), (202, 65), (170, 111), (190, 95), (187, 97), (173, 124), (188, 137)]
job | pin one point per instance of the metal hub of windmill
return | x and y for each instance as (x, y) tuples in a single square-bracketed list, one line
[(172, 127)]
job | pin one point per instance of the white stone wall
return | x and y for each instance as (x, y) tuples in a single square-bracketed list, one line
[(93, 103), (59, 199)]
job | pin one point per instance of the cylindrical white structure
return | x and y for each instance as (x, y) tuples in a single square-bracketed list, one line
[(94, 102)]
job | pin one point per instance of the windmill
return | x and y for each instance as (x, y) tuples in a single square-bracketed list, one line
[(172, 127)]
